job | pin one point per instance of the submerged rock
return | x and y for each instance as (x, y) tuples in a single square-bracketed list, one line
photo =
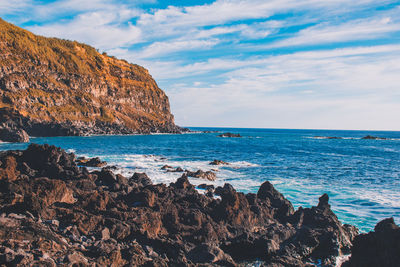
[(229, 135), (327, 137), (218, 162), (56, 212), (171, 169), (370, 137), (166, 167)]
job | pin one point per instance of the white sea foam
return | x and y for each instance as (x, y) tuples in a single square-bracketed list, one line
[(381, 196), (128, 164), (341, 259), (242, 164)]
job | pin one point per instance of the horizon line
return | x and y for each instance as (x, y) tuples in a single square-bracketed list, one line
[(273, 128)]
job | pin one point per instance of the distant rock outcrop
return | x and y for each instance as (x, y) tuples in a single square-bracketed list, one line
[(229, 135), (54, 87), (218, 162), (370, 137)]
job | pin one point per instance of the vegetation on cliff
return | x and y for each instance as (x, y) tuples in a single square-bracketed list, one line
[(50, 81)]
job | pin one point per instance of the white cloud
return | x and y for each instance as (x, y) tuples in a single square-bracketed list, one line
[(96, 28), (7, 7), (223, 11), (365, 29), (159, 48), (345, 88)]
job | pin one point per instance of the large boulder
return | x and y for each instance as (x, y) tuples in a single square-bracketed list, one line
[(283, 207), (229, 135), (378, 248), (13, 135)]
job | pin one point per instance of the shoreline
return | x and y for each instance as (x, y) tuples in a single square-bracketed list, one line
[(131, 154)]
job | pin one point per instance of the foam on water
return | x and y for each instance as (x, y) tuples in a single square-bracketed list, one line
[(128, 164)]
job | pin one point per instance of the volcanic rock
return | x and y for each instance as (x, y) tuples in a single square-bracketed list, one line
[(229, 135), (370, 137), (107, 220), (207, 175), (218, 162), (54, 87), (328, 137), (93, 162), (13, 135), (378, 248)]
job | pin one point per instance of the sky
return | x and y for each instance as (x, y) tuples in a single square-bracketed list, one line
[(304, 64)]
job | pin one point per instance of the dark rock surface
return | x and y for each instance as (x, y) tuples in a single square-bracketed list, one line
[(93, 162), (207, 175), (13, 135), (328, 137), (229, 135), (378, 248), (171, 169), (218, 162), (55, 213), (370, 137), (10, 128)]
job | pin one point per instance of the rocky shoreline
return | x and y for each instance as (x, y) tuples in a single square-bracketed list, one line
[(56, 213), (16, 128)]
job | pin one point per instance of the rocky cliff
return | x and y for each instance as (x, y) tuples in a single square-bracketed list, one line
[(51, 87)]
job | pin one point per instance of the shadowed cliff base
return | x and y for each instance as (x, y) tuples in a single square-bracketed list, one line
[(53, 87)]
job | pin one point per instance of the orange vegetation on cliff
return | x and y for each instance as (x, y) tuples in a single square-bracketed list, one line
[(49, 80)]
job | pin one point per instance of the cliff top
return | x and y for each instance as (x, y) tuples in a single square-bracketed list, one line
[(63, 55)]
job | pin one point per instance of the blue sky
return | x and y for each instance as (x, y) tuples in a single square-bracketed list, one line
[(332, 64)]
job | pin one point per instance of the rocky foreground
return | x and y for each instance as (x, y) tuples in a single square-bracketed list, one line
[(56, 213)]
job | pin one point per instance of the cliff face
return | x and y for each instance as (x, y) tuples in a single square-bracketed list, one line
[(50, 87)]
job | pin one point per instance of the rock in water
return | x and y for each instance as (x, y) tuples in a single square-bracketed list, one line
[(218, 162), (207, 175), (378, 248), (93, 162), (370, 137), (84, 92), (229, 135)]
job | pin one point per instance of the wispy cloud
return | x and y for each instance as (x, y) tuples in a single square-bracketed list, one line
[(100, 29), (358, 80), (364, 29), (159, 48)]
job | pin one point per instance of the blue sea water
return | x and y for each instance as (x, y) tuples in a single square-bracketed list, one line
[(362, 177)]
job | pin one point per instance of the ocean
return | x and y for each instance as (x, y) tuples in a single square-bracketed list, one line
[(361, 177)]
